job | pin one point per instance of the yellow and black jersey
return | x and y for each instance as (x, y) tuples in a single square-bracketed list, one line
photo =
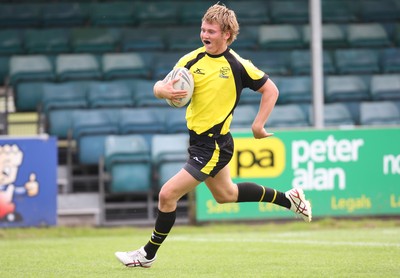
[(218, 83)]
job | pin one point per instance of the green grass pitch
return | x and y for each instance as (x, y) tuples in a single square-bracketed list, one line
[(324, 248)]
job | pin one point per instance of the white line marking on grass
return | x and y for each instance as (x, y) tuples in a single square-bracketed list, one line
[(287, 241)]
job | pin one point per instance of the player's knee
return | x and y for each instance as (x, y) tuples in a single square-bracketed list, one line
[(224, 198)]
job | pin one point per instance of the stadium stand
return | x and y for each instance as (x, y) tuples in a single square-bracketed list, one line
[(74, 62)]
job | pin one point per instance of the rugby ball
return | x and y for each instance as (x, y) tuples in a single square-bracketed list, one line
[(185, 82)]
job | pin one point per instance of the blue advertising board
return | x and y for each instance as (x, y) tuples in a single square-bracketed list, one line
[(28, 181)]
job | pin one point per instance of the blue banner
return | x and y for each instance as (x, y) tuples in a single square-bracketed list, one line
[(28, 181)]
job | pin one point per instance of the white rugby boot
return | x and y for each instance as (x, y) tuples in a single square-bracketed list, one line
[(299, 204), (135, 258)]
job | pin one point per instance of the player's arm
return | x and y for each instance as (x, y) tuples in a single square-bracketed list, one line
[(164, 89), (269, 97)]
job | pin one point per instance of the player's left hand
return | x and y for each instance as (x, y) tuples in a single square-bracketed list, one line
[(261, 133)]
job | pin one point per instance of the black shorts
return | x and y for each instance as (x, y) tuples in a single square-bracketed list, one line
[(208, 155)]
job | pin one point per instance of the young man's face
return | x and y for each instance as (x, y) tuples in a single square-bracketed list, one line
[(214, 40)]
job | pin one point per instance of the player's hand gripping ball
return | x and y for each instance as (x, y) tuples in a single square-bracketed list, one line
[(185, 82)]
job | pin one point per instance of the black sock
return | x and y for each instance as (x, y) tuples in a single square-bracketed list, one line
[(252, 192), (164, 223)]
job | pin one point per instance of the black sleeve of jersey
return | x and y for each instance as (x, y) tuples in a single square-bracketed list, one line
[(255, 85)]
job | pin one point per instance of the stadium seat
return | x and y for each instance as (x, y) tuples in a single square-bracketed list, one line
[(294, 89), (248, 38), (183, 39), (279, 36), (77, 66), (243, 117), (63, 14), (143, 96), (19, 15), (346, 88), (367, 35), (336, 115), (374, 11), (300, 62), (109, 94), (333, 35), (124, 65), (391, 60), (128, 161), (289, 115), (30, 68), (192, 12), (11, 42), (273, 62), (164, 63), (47, 40), (158, 13), (145, 38), (385, 87), (68, 95), (174, 120), (59, 122), (248, 96), (89, 129), (141, 121), (28, 96), (251, 12), (93, 39), (340, 11), (116, 13), (289, 11), (169, 154), (352, 61), (379, 113)]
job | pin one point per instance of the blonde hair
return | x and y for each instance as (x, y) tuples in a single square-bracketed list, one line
[(226, 19)]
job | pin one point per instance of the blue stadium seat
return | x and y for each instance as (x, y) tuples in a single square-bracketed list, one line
[(251, 12), (288, 115), (385, 87), (115, 13), (109, 94), (63, 14), (336, 115), (391, 60), (367, 35), (68, 95), (289, 11), (28, 96), (143, 96), (158, 13), (333, 35), (294, 89), (346, 88), (279, 36), (20, 15), (379, 113), (300, 62), (374, 11), (169, 154), (141, 121), (89, 129), (174, 120), (31, 68), (145, 38), (47, 40), (11, 42), (77, 67), (128, 160), (357, 61), (340, 11), (183, 39), (192, 11), (272, 62), (124, 65), (243, 117), (249, 96), (93, 39)]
